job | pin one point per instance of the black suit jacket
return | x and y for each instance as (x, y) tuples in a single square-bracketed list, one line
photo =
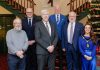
[(43, 38), (29, 30)]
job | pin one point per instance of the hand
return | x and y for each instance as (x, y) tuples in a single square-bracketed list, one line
[(50, 49), (87, 57), (20, 54), (31, 42), (64, 49)]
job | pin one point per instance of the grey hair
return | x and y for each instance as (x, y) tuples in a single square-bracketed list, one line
[(44, 11), (17, 20)]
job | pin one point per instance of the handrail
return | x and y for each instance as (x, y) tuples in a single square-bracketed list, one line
[(50, 1), (71, 1), (78, 5), (21, 4)]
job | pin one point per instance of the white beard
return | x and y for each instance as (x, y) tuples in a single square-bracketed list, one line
[(18, 28)]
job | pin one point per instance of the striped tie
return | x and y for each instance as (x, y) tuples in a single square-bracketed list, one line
[(71, 33)]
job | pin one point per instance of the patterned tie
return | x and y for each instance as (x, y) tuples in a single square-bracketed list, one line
[(29, 22), (71, 33), (57, 18), (47, 27)]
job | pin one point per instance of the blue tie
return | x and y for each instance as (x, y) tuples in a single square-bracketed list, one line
[(29, 22), (57, 18)]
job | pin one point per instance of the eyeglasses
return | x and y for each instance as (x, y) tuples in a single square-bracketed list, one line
[(72, 16), (29, 12)]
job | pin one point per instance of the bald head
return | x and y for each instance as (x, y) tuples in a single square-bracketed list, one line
[(29, 12), (57, 9), (72, 16)]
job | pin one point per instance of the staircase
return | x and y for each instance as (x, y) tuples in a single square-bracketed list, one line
[(81, 7), (17, 7), (94, 18)]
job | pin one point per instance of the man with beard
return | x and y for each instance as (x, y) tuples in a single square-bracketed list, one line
[(17, 43)]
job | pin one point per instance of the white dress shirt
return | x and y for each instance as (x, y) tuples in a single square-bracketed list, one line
[(68, 30)]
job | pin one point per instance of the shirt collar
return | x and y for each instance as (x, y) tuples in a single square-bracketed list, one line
[(71, 22), (30, 18)]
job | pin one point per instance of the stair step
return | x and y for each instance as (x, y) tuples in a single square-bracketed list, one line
[(95, 22), (97, 32), (97, 29), (95, 4), (64, 68), (95, 16), (56, 68), (95, 9)]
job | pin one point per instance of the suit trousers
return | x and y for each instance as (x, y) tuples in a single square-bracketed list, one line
[(60, 52), (72, 58), (47, 59), (31, 58)]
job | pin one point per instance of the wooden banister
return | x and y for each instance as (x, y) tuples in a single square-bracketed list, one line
[(50, 1), (71, 1), (21, 4), (78, 5)]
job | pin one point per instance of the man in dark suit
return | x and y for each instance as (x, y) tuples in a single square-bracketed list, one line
[(28, 24), (58, 19), (46, 39), (70, 35)]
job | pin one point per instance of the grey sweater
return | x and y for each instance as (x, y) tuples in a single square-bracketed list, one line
[(16, 41)]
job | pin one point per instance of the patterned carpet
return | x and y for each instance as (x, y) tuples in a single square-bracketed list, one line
[(3, 62)]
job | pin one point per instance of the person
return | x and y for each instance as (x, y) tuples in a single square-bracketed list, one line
[(58, 19), (17, 43), (87, 46), (71, 32), (28, 25), (46, 39)]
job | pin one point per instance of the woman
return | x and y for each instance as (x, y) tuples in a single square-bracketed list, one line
[(87, 46)]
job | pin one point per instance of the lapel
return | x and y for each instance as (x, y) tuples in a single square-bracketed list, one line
[(75, 30), (54, 18), (60, 18), (44, 28), (26, 21), (33, 21), (65, 30)]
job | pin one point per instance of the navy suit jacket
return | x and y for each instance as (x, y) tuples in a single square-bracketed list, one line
[(77, 32), (29, 30), (60, 24)]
